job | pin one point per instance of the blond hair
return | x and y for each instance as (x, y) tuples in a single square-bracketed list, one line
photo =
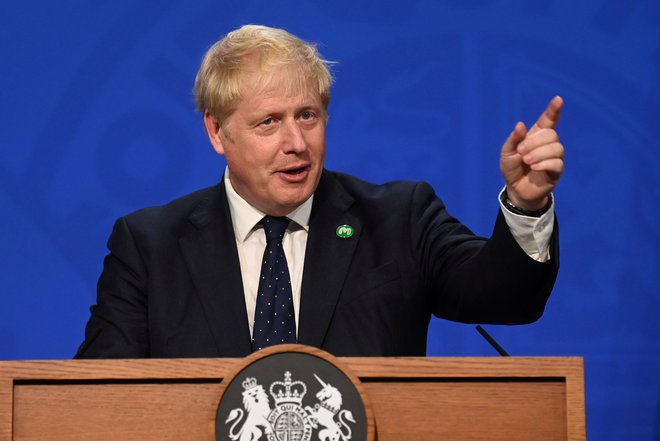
[(218, 82)]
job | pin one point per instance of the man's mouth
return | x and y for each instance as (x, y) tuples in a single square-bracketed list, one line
[(295, 175), (295, 171)]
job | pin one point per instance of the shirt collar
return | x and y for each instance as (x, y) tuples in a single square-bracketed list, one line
[(245, 217)]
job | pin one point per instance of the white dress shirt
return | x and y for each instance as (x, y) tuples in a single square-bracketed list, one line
[(251, 243), (531, 233)]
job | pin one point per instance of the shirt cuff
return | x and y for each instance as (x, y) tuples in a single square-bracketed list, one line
[(532, 233)]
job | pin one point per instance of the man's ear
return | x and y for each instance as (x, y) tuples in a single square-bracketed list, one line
[(213, 129)]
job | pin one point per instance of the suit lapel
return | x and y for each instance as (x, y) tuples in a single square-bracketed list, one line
[(327, 259), (212, 258)]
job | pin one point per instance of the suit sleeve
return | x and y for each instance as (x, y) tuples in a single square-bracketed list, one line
[(472, 279), (118, 326)]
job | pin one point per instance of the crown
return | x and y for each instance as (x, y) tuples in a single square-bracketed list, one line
[(329, 406), (249, 383), (288, 391)]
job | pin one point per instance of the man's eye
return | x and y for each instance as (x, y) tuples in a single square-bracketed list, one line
[(267, 122), (306, 115)]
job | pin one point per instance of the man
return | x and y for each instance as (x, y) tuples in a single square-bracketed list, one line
[(363, 266)]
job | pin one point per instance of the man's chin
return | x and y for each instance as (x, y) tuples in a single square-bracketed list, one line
[(285, 205)]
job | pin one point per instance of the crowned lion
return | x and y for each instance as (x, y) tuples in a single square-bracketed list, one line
[(257, 409)]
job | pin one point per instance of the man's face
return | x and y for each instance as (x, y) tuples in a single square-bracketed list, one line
[(274, 141)]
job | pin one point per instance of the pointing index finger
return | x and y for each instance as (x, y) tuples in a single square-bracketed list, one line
[(550, 117)]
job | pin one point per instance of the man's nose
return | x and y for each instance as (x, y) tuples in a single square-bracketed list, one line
[(294, 140)]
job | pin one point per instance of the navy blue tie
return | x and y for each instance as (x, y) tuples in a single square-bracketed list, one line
[(274, 321)]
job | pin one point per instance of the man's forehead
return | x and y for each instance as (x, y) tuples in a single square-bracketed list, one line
[(284, 82)]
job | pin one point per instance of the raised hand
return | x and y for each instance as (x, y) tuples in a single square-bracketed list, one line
[(532, 161)]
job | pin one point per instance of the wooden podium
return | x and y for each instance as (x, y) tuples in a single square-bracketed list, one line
[(417, 398)]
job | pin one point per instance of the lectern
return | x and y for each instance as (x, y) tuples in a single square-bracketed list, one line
[(412, 398)]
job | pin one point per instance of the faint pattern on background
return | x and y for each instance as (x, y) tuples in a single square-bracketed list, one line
[(97, 121)]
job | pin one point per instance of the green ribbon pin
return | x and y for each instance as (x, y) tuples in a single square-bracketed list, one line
[(345, 231)]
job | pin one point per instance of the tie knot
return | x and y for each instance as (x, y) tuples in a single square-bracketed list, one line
[(274, 227)]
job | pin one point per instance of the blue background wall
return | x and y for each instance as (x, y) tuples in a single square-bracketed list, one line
[(97, 120)]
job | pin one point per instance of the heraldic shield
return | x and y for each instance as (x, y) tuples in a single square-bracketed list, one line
[(293, 393)]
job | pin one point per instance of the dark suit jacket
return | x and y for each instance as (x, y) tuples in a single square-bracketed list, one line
[(171, 285)]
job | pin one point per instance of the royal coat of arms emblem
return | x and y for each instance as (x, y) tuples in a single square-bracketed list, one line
[(288, 420)]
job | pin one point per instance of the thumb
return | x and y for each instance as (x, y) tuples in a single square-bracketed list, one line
[(517, 135)]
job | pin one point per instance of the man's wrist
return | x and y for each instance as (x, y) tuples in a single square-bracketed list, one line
[(513, 208)]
